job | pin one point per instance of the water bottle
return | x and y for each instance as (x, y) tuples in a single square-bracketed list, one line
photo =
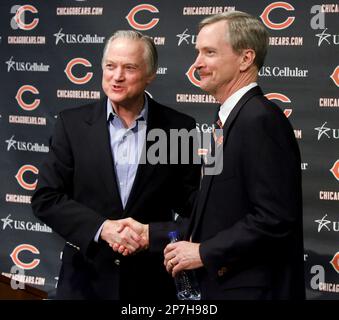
[(185, 281)]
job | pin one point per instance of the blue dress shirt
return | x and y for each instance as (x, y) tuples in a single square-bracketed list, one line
[(126, 148)]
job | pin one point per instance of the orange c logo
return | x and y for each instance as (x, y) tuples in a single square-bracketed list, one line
[(191, 76), (335, 76), (139, 26), (24, 105), (25, 247), (70, 74), (335, 170), (281, 97), (21, 24), (277, 26), (20, 177), (335, 262)]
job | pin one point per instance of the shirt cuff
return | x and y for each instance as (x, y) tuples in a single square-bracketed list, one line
[(97, 235)]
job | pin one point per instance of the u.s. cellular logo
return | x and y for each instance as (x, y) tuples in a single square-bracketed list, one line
[(28, 146), (25, 66), (72, 38)]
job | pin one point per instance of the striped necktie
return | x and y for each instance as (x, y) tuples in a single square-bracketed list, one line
[(218, 134)]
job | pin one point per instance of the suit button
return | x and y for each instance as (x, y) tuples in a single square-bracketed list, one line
[(222, 271), (117, 262)]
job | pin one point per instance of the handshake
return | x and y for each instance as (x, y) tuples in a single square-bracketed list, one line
[(126, 236)]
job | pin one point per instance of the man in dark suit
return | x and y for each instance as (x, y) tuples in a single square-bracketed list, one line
[(97, 174), (246, 233)]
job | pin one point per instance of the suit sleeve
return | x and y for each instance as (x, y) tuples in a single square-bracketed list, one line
[(186, 183), (52, 201), (270, 170), (188, 177)]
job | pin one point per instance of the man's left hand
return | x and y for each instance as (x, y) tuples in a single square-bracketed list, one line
[(182, 255)]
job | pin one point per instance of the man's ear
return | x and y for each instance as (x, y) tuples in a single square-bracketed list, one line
[(150, 78), (247, 59)]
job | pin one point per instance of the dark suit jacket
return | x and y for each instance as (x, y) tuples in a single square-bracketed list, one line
[(249, 218), (77, 192)]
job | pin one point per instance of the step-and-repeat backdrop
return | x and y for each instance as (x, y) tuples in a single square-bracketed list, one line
[(50, 61)]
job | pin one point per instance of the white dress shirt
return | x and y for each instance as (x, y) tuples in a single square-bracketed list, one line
[(230, 102)]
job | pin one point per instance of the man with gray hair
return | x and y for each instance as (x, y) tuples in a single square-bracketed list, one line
[(93, 182), (245, 238)]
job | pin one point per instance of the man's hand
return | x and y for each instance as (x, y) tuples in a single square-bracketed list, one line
[(182, 255), (115, 232), (138, 228)]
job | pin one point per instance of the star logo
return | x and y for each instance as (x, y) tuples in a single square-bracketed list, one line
[(7, 222), (323, 37), (183, 37), (323, 223), (322, 131), (10, 64), (11, 143), (59, 36)]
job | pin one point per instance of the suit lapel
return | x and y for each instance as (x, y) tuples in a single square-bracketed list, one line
[(99, 147), (145, 170), (207, 180)]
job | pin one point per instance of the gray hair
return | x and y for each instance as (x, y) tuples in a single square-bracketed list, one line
[(150, 54), (245, 32)]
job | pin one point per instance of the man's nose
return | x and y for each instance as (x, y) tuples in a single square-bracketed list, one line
[(198, 62), (118, 74)]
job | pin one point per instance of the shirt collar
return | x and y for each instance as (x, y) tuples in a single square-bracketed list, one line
[(230, 102), (142, 116)]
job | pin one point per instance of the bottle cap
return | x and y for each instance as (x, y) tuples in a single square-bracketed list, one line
[(173, 235)]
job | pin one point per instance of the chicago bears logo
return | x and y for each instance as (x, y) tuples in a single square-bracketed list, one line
[(335, 170), (142, 26), (20, 177), (18, 18), (24, 105), (191, 76), (335, 76), (265, 16), (281, 97), (335, 262), (69, 72), (17, 261)]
